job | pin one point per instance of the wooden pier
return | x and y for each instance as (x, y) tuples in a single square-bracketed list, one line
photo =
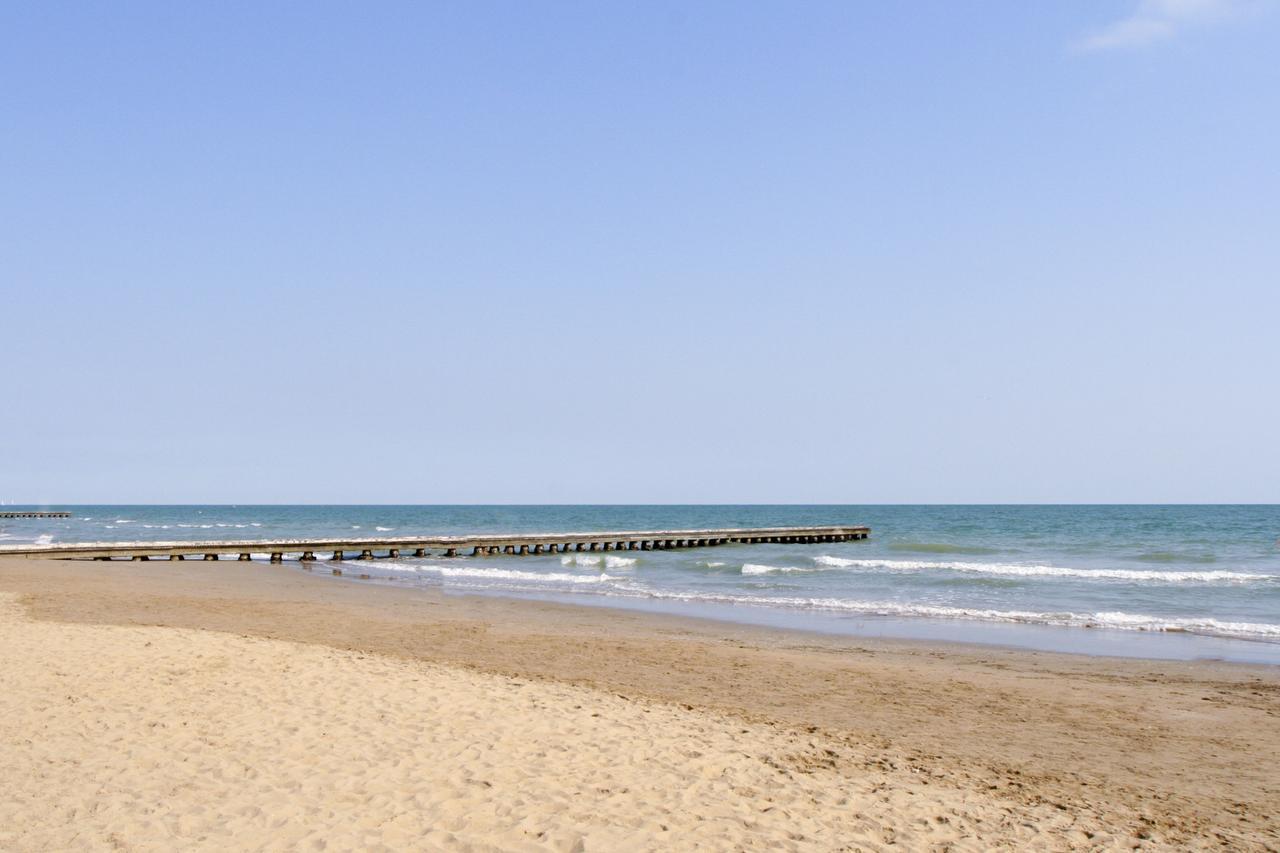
[(33, 514), (492, 545)]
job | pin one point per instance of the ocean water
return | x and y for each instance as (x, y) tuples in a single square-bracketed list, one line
[(1162, 581)]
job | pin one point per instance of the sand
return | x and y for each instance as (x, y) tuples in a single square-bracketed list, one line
[(190, 706)]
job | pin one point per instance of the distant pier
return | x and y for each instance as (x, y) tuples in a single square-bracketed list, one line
[(491, 545), (28, 514)]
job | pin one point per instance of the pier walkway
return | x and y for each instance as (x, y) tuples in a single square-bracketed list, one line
[(516, 544)]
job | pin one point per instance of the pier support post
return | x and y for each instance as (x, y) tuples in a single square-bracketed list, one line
[(451, 552), (277, 557), (553, 548), (211, 556), (244, 558), (307, 556), (631, 546), (509, 549), (537, 549), (420, 552), (393, 553), (366, 554), (606, 546), (337, 557), (176, 557)]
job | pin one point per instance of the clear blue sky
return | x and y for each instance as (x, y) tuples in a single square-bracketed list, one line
[(606, 252)]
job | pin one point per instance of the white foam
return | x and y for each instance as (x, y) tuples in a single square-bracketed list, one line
[(1016, 570), (607, 560), (1108, 619), (44, 539), (757, 569), (487, 573), (582, 560), (384, 529), (400, 567)]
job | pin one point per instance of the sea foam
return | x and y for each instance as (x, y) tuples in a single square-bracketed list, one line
[(492, 574), (1117, 620), (1016, 570), (607, 560)]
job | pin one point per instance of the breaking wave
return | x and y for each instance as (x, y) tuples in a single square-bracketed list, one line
[(607, 560), (1117, 620), (1015, 570), (492, 574)]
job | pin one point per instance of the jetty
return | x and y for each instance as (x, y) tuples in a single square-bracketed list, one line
[(33, 514), (491, 545)]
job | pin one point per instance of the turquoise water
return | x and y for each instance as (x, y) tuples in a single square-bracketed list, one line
[(1205, 579)]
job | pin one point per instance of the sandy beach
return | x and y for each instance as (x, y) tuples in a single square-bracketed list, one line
[(163, 705)]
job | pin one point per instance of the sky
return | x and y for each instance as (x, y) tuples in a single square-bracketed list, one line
[(828, 252)]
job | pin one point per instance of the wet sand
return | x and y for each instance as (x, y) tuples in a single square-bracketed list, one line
[(153, 705)]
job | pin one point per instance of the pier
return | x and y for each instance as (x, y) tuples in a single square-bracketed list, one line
[(489, 545), (31, 514)]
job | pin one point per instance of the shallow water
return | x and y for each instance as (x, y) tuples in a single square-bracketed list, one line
[(951, 571)]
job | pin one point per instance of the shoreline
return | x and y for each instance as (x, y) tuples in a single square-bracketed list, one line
[(974, 635), (1174, 749)]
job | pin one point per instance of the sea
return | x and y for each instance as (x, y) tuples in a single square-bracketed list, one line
[(1180, 582)]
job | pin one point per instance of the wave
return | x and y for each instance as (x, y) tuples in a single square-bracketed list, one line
[(384, 529), (480, 573), (1015, 570), (1117, 620), (607, 560), (612, 586), (757, 569)]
